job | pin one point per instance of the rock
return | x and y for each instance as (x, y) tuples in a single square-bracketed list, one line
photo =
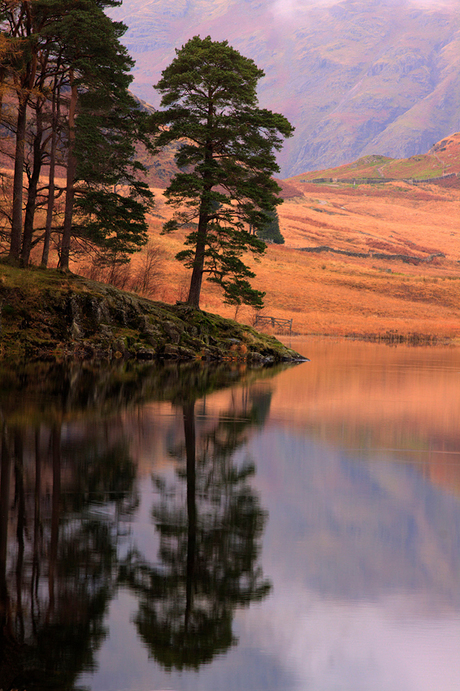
[(152, 340), (100, 311), (84, 319), (105, 331), (175, 352), (172, 331), (75, 331), (146, 354), (192, 330)]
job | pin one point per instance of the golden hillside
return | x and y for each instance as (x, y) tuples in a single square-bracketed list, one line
[(358, 258)]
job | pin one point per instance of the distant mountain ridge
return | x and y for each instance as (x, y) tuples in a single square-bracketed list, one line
[(355, 77), (440, 163)]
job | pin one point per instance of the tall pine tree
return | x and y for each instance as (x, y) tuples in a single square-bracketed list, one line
[(105, 199), (226, 153)]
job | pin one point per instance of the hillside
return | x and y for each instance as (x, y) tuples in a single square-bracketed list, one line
[(441, 161), (359, 258), (355, 77), (371, 259)]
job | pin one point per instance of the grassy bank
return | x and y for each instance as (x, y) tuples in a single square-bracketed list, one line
[(46, 315)]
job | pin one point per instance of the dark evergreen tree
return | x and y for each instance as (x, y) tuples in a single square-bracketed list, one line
[(105, 199), (70, 70), (270, 231), (227, 159), (19, 68)]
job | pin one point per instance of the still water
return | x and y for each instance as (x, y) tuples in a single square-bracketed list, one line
[(193, 529)]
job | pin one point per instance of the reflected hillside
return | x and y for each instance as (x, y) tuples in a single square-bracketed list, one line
[(358, 530), (401, 402)]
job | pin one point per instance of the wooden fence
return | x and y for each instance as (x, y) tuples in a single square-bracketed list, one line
[(262, 320)]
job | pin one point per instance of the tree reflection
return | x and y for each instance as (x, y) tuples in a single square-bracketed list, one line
[(68, 480), (210, 524), (58, 556)]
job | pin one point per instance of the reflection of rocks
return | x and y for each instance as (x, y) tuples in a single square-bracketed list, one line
[(47, 391)]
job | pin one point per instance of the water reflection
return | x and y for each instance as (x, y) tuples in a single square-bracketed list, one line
[(210, 523), (138, 529), (58, 562), (68, 493)]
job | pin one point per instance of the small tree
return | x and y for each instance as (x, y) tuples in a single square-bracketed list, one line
[(227, 160), (270, 231)]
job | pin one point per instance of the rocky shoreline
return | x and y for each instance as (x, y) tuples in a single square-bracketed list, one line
[(46, 315)]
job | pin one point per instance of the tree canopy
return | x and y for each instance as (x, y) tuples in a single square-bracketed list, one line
[(74, 118), (226, 157)]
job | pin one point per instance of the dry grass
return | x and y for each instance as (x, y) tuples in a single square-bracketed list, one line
[(336, 294), (340, 295)]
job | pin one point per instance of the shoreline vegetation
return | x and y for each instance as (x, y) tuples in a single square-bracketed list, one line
[(48, 316)]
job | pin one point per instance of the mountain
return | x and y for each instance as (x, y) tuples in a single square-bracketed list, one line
[(441, 164), (355, 77)]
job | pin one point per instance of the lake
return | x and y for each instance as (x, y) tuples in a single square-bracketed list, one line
[(187, 528)]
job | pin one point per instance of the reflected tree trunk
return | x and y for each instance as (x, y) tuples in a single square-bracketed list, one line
[(37, 530), (20, 502), (190, 449), (55, 516), (4, 511)]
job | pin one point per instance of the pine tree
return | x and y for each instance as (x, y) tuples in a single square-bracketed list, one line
[(105, 199), (270, 231), (227, 159), (73, 74), (18, 70)]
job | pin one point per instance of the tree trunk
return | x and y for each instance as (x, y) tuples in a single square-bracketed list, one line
[(198, 262), (16, 225), (70, 187), (55, 114), (32, 192)]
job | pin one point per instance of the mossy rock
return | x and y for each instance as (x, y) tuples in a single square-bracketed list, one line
[(46, 314)]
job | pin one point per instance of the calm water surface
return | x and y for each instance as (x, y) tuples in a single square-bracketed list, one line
[(186, 529)]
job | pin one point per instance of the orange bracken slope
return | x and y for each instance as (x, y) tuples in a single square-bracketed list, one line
[(358, 285)]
